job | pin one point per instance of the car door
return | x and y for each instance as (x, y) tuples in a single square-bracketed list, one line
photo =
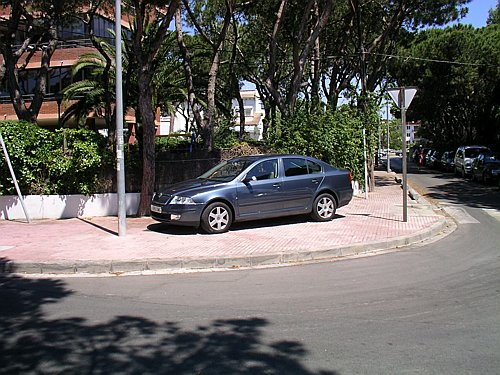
[(259, 194), (301, 180)]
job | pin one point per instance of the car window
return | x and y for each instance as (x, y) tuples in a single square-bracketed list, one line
[(473, 152), (264, 170), (313, 167), (295, 166), (227, 170)]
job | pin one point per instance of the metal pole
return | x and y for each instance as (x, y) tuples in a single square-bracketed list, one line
[(403, 132), (120, 162), (388, 159), (366, 169), (14, 179)]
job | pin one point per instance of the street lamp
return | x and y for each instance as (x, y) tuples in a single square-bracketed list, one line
[(59, 97)]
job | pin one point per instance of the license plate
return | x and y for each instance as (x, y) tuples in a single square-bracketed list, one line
[(156, 209)]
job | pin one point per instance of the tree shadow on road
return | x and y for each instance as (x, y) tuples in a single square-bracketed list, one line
[(30, 342)]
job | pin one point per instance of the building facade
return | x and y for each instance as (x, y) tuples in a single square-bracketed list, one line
[(182, 121), (73, 41)]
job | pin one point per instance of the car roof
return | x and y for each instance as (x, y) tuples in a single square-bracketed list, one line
[(475, 146), (266, 156)]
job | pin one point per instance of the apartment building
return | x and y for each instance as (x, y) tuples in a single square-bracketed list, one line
[(182, 121), (254, 114), (73, 41)]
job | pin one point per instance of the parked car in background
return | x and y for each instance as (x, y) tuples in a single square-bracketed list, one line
[(434, 159), (464, 157), (428, 156), (486, 167), (255, 187), (448, 161)]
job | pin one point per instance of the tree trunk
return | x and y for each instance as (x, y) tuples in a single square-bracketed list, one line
[(148, 147), (186, 62)]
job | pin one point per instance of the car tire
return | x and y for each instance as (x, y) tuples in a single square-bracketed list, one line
[(464, 175), (216, 218), (324, 208)]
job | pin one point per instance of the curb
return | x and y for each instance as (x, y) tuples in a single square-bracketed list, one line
[(177, 265)]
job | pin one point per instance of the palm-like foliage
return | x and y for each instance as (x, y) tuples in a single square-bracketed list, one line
[(92, 94)]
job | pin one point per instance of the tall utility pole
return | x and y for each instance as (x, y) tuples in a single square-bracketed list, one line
[(120, 161)]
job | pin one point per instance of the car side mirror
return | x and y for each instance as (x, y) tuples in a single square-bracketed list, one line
[(248, 179)]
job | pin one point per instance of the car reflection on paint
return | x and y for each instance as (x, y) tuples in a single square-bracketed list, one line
[(255, 187)]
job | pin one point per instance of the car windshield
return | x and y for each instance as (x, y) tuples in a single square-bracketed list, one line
[(227, 170), (473, 152)]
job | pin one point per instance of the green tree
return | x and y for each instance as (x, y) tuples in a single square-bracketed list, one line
[(150, 27), (333, 136), (95, 93), (456, 71), (211, 21), (494, 15), (30, 29)]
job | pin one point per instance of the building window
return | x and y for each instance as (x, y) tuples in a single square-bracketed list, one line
[(27, 81), (60, 78), (102, 27), (75, 30)]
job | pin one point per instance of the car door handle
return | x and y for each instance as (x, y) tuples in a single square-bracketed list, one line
[(314, 181), (277, 185)]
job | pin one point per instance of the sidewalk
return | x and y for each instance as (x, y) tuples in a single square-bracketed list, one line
[(92, 246)]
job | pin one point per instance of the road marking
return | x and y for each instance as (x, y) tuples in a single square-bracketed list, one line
[(492, 212), (460, 215), (2, 248)]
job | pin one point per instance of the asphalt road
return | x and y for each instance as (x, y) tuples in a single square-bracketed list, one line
[(429, 309)]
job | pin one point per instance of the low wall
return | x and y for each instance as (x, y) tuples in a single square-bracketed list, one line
[(65, 206)]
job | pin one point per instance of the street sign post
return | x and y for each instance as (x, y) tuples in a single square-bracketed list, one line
[(403, 96)]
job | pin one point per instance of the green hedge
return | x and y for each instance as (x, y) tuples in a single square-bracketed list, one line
[(43, 166), (334, 137)]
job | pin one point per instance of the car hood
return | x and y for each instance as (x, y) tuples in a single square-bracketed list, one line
[(493, 163), (190, 187)]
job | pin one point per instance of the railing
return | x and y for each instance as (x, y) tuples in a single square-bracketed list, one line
[(61, 44)]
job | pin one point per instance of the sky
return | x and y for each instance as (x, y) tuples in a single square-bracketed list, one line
[(478, 12)]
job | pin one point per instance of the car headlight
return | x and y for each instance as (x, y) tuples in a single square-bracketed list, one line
[(181, 200)]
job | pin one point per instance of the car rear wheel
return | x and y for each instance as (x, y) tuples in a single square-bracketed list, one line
[(324, 207), (217, 218)]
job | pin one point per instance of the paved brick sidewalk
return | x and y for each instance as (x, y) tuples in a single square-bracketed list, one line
[(91, 245)]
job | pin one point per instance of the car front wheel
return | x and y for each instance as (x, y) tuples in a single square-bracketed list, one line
[(217, 218), (324, 208)]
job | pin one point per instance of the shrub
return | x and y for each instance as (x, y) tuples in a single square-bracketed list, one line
[(43, 166), (334, 137)]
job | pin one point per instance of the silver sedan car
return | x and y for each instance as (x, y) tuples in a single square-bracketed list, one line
[(255, 187)]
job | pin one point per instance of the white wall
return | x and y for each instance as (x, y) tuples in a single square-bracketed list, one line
[(65, 206)]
